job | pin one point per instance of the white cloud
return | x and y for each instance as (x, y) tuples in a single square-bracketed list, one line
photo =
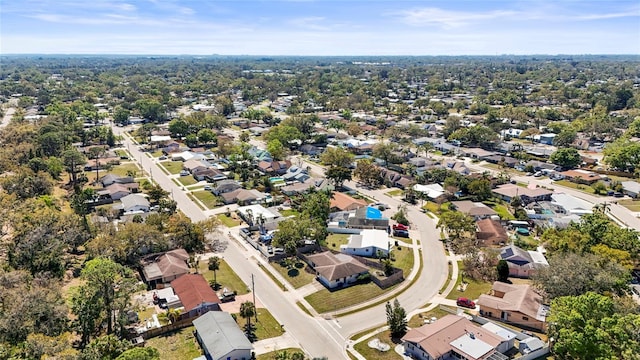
[(315, 23), (448, 18)]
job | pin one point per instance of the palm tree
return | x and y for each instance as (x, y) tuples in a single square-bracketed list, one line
[(171, 315), (247, 310), (426, 147), (214, 265)]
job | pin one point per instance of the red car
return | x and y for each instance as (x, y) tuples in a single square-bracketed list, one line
[(400, 227), (464, 302)]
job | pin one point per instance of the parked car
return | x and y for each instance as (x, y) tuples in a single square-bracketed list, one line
[(464, 302), (208, 188), (537, 174), (184, 173), (380, 205), (401, 233), (227, 296), (618, 195), (162, 157), (400, 227)]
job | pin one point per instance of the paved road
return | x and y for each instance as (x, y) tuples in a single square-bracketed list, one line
[(315, 336), (8, 114)]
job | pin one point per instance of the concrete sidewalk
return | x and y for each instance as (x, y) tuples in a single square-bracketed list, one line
[(284, 341)]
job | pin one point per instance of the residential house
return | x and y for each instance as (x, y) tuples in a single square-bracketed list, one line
[(296, 173), (518, 305), (251, 213), (477, 153), (631, 188), (114, 191), (195, 164), (195, 294), (455, 337), (369, 243), (546, 139), (259, 154), (505, 160), (581, 176), (404, 182), (221, 338), (302, 188), (133, 203), (543, 166), (115, 179), (209, 174), (476, 210), (344, 202), (432, 191), (165, 267), (274, 167), (490, 232), (571, 204), (458, 166), (171, 147), (243, 196), (368, 218), (225, 186), (310, 150), (522, 263), (507, 192), (101, 163), (336, 270)]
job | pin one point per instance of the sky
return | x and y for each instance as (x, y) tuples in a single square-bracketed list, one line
[(320, 27)]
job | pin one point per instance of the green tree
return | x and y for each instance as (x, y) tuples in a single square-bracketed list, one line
[(206, 136), (565, 138), (121, 115), (623, 154), (396, 319), (480, 189), (503, 271), (337, 156), (276, 149), (73, 160), (384, 151), (459, 227), (338, 175), (568, 158), (214, 265), (156, 192), (247, 310), (587, 326), (368, 173), (316, 206), (140, 353)]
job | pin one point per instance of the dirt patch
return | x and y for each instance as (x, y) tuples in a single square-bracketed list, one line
[(233, 307)]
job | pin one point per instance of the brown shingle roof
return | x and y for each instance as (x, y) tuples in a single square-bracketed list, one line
[(520, 298), (193, 290), (333, 267), (491, 232), (345, 202)]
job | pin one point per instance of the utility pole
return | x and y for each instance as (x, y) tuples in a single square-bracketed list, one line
[(253, 290)]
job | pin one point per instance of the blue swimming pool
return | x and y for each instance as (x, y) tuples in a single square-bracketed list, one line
[(275, 179)]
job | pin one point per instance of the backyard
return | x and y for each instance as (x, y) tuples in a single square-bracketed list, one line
[(225, 276), (403, 259), (418, 320), (176, 345), (333, 241)]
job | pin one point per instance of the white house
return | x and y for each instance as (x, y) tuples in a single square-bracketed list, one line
[(133, 203), (221, 338), (368, 243), (433, 191)]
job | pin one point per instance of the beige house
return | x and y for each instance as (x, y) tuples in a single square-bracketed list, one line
[(514, 304)]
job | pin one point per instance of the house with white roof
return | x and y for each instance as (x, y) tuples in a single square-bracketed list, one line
[(571, 204), (433, 191), (368, 243)]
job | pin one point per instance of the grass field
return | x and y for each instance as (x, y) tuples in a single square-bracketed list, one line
[(177, 345), (225, 276), (370, 353), (418, 320), (187, 180), (296, 274), (173, 167), (403, 259), (326, 301), (503, 212), (632, 205), (208, 199), (396, 192), (267, 327), (274, 354), (122, 169), (228, 221), (289, 212), (333, 241), (566, 183), (474, 288)]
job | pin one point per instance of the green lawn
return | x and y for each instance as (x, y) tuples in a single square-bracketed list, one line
[(632, 205), (418, 320), (584, 188), (370, 353), (122, 169), (333, 241), (396, 192), (289, 212), (274, 354), (225, 276), (403, 259), (228, 221), (146, 313), (326, 301), (173, 167), (267, 327), (121, 153), (187, 180), (474, 288), (157, 153), (208, 199), (503, 212), (296, 274), (177, 345)]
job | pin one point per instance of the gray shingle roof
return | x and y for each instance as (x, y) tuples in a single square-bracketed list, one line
[(220, 334)]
